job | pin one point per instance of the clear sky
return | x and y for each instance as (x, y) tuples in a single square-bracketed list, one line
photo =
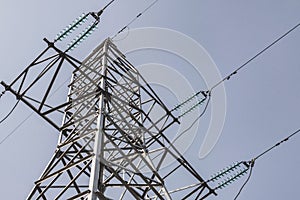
[(262, 100)]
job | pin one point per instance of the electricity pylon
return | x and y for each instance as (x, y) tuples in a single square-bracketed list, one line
[(113, 138), (112, 142)]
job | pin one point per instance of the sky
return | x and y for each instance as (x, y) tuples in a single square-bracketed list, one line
[(262, 100)]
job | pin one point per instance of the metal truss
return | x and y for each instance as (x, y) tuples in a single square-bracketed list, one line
[(112, 142), (35, 84)]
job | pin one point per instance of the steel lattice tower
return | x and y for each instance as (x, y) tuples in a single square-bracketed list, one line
[(112, 141)]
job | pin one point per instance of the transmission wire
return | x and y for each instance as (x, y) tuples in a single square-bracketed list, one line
[(255, 56), (135, 18), (107, 5), (16, 128), (277, 144), (10, 112)]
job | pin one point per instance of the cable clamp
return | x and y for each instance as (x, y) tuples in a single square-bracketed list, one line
[(251, 163), (2, 93)]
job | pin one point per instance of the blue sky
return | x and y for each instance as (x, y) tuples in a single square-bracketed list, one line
[(262, 99)]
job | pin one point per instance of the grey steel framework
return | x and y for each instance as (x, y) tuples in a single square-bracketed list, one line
[(112, 140)]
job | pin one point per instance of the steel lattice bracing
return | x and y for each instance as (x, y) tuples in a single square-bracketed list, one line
[(112, 141)]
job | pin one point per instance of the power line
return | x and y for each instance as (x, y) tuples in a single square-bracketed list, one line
[(277, 144), (254, 57), (135, 18), (107, 5), (16, 128), (10, 112)]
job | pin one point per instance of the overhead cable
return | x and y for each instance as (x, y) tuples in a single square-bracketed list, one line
[(135, 18), (10, 112), (254, 57), (277, 144)]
